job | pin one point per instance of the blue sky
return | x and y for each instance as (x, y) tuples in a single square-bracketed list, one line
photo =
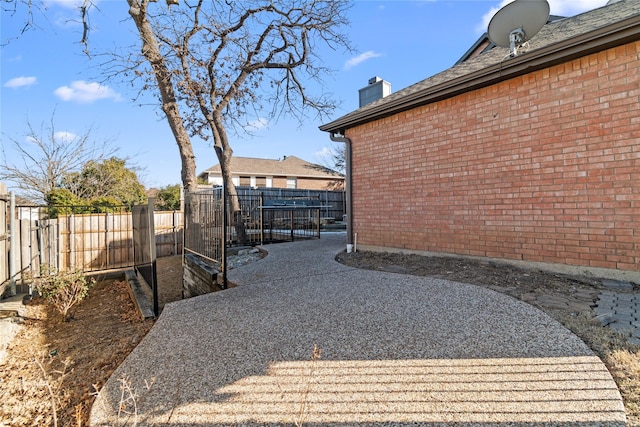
[(45, 70)]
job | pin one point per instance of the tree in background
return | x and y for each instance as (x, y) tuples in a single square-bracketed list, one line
[(47, 156), (168, 198), (105, 186), (334, 159), (63, 169), (108, 181)]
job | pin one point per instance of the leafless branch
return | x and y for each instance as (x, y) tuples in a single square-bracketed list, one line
[(45, 156)]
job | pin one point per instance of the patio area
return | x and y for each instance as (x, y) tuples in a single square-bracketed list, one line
[(391, 349)]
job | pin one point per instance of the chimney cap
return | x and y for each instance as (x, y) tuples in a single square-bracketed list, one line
[(375, 79)]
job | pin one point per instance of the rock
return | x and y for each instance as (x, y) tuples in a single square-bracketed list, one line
[(603, 319)]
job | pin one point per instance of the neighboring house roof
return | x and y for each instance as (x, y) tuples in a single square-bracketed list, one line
[(289, 166), (556, 43)]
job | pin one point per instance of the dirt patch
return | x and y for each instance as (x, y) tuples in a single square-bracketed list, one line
[(169, 272), (66, 363), (568, 299)]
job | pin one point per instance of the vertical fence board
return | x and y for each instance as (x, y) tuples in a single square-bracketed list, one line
[(25, 246), (4, 239)]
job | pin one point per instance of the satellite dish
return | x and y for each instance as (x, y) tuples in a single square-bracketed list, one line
[(517, 22)]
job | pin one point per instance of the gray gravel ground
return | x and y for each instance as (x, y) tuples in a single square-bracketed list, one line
[(396, 350)]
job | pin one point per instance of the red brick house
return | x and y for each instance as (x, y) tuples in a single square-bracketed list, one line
[(289, 172), (533, 159)]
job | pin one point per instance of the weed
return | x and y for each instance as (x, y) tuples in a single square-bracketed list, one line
[(127, 413), (304, 400), (52, 381)]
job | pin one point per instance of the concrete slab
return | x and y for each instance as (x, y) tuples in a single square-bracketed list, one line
[(396, 350)]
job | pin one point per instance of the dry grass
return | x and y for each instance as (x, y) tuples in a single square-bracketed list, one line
[(51, 362), (624, 365), (621, 358)]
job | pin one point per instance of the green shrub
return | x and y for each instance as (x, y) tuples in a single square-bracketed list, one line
[(63, 289)]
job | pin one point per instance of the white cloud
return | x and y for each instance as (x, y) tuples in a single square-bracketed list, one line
[(60, 136), (21, 81), (558, 7), (324, 153), (258, 124), (65, 136), (360, 59), (574, 7), (85, 92), (67, 4)]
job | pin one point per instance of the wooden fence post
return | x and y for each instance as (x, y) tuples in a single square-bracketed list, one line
[(13, 244), (106, 238), (25, 246), (4, 240), (176, 231), (72, 243)]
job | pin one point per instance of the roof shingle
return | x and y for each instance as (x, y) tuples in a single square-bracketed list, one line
[(289, 166)]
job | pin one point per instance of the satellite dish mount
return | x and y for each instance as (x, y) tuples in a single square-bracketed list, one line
[(516, 39), (516, 23)]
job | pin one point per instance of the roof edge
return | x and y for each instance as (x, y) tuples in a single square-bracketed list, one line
[(615, 34), (337, 175)]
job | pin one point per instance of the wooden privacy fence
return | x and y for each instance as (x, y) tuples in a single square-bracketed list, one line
[(89, 241), (104, 241)]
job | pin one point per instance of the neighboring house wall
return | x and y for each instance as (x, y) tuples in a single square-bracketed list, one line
[(543, 168), (288, 172), (314, 184), (280, 182)]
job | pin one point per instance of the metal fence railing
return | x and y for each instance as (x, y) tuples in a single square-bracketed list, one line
[(203, 225), (333, 202), (263, 218), (289, 219), (272, 218)]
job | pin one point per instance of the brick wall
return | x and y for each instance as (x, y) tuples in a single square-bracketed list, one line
[(543, 167), (304, 183), (315, 184)]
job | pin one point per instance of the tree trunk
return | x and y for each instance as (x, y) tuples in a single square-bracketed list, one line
[(151, 51), (224, 153)]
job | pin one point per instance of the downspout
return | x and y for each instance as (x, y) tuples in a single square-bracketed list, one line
[(347, 163)]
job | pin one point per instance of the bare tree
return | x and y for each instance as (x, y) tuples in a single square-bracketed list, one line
[(333, 159), (46, 156), (219, 65)]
